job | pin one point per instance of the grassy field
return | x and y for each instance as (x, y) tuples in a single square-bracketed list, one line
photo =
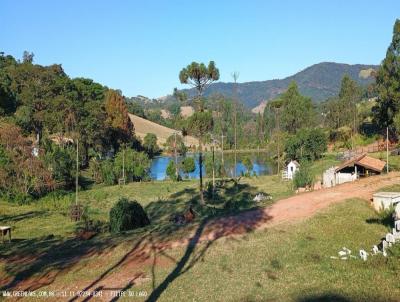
[(143, 126), (291, 262), (282, 263)]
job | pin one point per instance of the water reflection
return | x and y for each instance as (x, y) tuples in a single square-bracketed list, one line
[(247, 163)]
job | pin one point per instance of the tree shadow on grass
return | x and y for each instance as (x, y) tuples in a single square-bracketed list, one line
[(330, 297), (324, 298), (34, 263), (208, 231), (386, 221), (15, 218)]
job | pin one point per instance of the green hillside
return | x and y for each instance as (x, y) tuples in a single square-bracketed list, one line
[(319, 81)]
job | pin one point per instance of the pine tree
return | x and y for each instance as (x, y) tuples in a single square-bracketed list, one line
[(388, 82)]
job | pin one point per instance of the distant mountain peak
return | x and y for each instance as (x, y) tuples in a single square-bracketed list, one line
[(319, 81)]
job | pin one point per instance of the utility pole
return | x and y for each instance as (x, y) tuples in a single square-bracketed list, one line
[(235, 76), (213, 163), (176, 159), (77, 172), (222, 151), (387, 149), (278, 133), (123, 164)]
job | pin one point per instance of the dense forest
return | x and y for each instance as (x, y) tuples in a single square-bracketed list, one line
[(45, 116)]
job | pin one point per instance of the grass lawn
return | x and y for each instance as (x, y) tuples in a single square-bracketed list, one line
[(291, 262), (283, 263), (287, 262)]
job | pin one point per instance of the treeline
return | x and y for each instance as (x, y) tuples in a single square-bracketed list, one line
[(45, 115)]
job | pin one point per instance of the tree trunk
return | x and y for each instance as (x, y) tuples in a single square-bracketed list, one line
[(201, 172)]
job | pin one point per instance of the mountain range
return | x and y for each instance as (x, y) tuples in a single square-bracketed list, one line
[(319, 81)]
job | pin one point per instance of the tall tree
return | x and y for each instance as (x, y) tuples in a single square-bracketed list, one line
[(199, 76), (388, 82), (349, 95), (27, 57), (121, 127), (298, 111), (150, 144)]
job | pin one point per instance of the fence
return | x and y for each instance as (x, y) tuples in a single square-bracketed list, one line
[(377, 147)]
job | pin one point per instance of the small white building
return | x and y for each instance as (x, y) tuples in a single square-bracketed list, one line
[(383, 200), (291, 169)]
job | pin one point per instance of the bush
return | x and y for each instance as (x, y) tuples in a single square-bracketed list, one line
[(307, 144), (386, 216), (150, 144), (95, 170), (127, 215), (181, 149), (208, 163), (62, 164), (137, 165), (171, 171), (107, 172), (188, 165), (303, 177)]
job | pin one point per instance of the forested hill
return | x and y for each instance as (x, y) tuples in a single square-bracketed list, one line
[(319, 81)]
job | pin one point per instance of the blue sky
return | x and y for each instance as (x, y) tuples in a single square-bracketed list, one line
[(140, 46)]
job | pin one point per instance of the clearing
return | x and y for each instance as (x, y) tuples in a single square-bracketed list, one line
[(286, 259)]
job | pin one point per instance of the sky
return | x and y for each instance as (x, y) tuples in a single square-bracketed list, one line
[(139, 47)]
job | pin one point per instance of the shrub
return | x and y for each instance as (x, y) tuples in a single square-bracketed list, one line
[(61, 162), (127, 215), (208, 163), (150, 144), (188, 165), (95, 170), (107, 172), (171, 171), (386, 216), (137, 164), (23, 176), (303, 177), (307, 144), (181, 149)]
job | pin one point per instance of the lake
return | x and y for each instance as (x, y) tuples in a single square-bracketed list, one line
[(258, 163)]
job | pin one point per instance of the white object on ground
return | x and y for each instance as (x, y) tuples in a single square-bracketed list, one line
[(261, 196), (390, 238), (385, 245), (397, 225), (363, 255), (397, 212), (346, 250), (375, 250)]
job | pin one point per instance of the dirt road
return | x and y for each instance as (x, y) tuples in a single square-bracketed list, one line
[(298, 207)]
